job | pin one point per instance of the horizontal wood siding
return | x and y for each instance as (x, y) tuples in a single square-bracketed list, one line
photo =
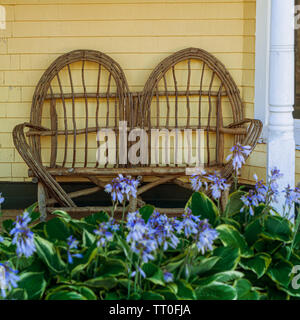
[(136, 33)]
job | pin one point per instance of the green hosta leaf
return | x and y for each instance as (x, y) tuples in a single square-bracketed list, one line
[(65, 295), (153, 273), (87, 293), (150, 295), (252, 231), (88, 238), (49, 255), (258, 264), (280, 272), (297, 241), (277, 228), (62, 214), (201, 205), (34, 283), (8, 248), (84, 291), (135, 296), (32, 208), (267, 245), (276, 294), (294, 287), (245, 291), (125, 247), (204, 265), (113, 267), (22, 262), (17, 294), (101, 282), (79, 226), (228, 259), (231, 222), (232, 237), (97, 218), (146, 212), (185, 290), (112, 296), (125, 282), (8, 225), (172, 287), (83, 263), (173, 265), (39, 229), (216, 291), (56, 229), (234, 204), (167, 294), (34, 215), (226, 276)]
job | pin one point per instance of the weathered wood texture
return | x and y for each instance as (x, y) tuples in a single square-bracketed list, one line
[(190, 89)]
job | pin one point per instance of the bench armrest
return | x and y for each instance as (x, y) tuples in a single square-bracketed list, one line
[(250, 139), (36, 166)]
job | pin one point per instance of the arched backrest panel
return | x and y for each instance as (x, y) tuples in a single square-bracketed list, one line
[(80, 93), (191, 89)]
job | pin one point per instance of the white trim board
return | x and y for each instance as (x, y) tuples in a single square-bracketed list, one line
[(297, 133), (262, 49)]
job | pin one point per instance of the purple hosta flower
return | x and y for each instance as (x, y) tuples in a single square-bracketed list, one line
[(261, 189), (1, 239), (141, 237), (23, 237), (291, 196), (122, 188), (136, 226), (140, 270), (218, 184), (205, 236), (256, 196), (197, 180), (105, 232), (238, 155), (250, 200), (164, 229), (23, 220), (1, 198), (8, 278), (188, 224), (168, 276), (73, 245), (275, 175)]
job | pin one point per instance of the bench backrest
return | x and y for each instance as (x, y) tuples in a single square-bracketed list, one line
[(85, 90)]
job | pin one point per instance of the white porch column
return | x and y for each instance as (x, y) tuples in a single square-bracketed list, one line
[(281, 142)]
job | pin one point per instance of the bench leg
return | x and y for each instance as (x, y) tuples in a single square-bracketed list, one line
[(42, 196), (224, 199), (132, 205)]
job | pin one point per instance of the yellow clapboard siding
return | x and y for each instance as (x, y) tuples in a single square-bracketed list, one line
[(135, 10), (138, 34), (133, 28)]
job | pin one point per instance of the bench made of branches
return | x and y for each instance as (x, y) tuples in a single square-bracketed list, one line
[(85, 91)]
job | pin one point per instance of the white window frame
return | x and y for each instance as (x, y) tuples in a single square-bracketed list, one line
[(262, 49)]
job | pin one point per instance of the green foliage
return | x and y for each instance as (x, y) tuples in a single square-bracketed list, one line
[(252, 259), (202, 205)]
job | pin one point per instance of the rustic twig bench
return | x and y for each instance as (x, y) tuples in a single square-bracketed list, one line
[(86, 91)]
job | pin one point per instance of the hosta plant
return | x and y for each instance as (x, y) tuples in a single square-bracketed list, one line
[(244, 251)]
